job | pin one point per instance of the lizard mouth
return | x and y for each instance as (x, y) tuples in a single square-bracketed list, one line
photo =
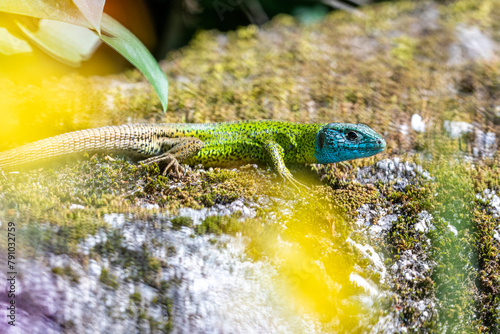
[(379, 147)]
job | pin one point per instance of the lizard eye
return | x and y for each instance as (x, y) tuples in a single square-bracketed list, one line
[(351, 136)]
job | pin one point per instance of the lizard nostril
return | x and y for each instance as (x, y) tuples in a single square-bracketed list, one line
[(379, 142)]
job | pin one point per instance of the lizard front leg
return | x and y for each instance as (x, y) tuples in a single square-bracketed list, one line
[(175, 150), (276, 154)]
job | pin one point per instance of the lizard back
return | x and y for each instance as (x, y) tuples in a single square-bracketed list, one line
[(147, 140)]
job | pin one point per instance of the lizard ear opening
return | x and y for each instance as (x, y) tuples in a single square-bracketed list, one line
[(321, 140)]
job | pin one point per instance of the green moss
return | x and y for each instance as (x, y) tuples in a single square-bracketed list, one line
[(135, 298), (489, 262), (108, 279), (66, 272), (470, 12), (141, 264), (219, 225), (349, 198), (166, 303), (178, 222), (404, 49), (403, 238), (463, 291), (220, 175)]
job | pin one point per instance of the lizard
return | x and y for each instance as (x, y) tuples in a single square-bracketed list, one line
[(212, 144)]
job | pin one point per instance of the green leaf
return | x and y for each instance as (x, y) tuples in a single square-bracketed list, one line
[(129, 46)]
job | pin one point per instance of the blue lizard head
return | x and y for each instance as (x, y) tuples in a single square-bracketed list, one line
[(337, 142)]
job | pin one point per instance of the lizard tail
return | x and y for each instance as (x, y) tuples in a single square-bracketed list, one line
[(89, 140)]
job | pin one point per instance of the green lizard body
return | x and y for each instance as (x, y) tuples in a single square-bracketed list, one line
[(214, 144)]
